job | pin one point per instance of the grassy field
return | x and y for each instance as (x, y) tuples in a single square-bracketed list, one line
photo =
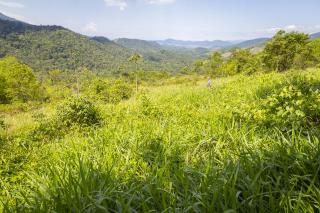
[(172, 148)]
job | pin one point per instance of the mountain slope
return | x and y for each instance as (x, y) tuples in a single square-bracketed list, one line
[(140, 45), (52, 47), (315, 35), (6, 18), (101, 39), (251, 43), (63, 49), (9, 25), (155, 52)]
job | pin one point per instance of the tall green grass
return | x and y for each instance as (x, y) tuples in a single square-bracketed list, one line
[(176, 148)]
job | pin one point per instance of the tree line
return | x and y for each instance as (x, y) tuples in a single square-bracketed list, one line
[(285, 51)]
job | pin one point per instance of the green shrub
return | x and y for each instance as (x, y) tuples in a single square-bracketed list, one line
[(46, 128), (78, 111), (113, 91), (294, 104), (18, 82)]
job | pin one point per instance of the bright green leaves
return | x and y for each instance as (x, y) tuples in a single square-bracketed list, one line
[(293, 105), (18, 83)]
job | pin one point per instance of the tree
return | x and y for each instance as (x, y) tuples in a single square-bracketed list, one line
[(241, 61), (3, 89), (280, 52), (315, 51), (198, 66), (214, 63), (20, 82), (135, 58)]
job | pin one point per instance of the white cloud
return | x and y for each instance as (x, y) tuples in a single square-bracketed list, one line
[(291, 27), (11, 4), (317, 26), (272, 29), (122, 4), (276, 29), (91, 27), (161, 1)]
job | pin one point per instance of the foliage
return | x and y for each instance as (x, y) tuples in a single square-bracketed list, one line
[(242, 61), (281, 51), (62, 49), (46, 129), (213, 64), (315, 51), (78, 111), (112, 91), (293, 105), (18, 82), (175, 149)]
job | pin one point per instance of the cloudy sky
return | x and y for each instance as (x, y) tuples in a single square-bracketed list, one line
[(178, 19)]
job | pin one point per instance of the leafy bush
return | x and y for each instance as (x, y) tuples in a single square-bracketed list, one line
[(294, 104), (46, 128), (113, 91), (79, 111), (18, 82)]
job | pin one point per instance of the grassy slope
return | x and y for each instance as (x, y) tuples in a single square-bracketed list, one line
[(177, 149)]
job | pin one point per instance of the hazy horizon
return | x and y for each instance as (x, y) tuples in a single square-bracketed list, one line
[(187, 20)]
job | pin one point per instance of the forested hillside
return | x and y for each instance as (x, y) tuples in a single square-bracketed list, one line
[(45, 48)]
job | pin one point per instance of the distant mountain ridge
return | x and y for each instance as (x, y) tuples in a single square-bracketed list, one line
[(6, 18), (10, 25), (195, 44), (213, 45), (221, 44), (315, 35), (251, 43), (101, 39), (137, 44)]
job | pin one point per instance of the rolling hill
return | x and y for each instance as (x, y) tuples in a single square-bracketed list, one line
[(153, 51), (53, 47), (251, 43)]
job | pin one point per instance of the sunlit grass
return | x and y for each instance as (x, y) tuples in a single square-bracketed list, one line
[(174, 148)]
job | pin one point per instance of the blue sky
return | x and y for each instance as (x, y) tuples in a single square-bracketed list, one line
[(179, 19)]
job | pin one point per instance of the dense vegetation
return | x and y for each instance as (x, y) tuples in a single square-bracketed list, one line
[(149, 141), (283, 52), (45, 48)]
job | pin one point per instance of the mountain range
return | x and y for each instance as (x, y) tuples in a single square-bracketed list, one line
[(54, 47)]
